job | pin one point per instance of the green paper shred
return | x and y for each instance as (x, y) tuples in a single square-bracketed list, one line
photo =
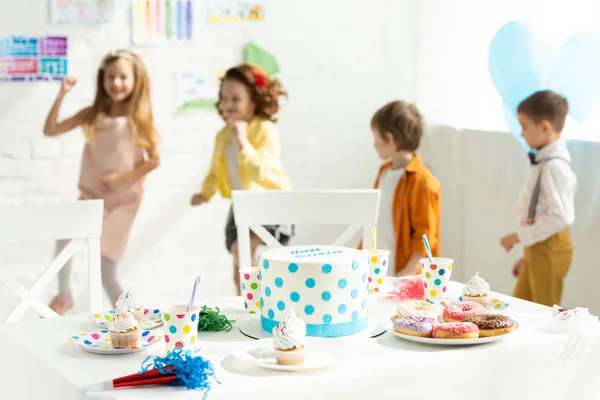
[(211, 320)]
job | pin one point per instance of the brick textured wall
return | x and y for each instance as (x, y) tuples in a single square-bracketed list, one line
[(339, 61)]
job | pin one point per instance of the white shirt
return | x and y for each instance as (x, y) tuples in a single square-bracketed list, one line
[(556, 205), (386, 237), (232, 153)]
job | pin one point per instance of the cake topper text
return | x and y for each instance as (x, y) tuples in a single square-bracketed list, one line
[(306, 253)]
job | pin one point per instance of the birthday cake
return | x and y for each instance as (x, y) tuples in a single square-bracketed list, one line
[(325, 285)]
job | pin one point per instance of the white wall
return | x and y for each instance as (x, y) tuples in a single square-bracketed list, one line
[(454, 87), (339, 63)]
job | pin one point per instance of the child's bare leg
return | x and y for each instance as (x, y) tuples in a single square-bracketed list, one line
[(254, 243), (109, 279), (63, 302)]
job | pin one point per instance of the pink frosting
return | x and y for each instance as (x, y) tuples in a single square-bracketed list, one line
[(455, 327), (460, 311)]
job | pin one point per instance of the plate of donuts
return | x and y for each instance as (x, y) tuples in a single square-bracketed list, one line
[(472, 330)]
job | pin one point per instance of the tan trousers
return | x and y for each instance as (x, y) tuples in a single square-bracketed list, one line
[(544, 269)]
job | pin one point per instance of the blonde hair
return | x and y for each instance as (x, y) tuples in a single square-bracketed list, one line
[(139, 105)]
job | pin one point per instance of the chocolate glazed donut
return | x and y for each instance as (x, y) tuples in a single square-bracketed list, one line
[(491, 324)]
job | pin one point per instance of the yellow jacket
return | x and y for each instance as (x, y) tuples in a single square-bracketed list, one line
[(260, 165)]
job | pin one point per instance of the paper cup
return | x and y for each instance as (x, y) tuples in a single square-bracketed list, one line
[(250, 289), (436, 277), (180, 327), (378, 267)]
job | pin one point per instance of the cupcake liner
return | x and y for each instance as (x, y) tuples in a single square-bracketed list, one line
[(290, 357), (125, 340), (483, 300), (139, 314)]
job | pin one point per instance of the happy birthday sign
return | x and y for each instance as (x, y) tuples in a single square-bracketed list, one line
[(316, 252)]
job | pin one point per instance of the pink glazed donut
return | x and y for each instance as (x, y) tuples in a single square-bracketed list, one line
[(456, 330), (456, 312)]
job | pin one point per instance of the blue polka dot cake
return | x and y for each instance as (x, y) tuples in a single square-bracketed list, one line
[(325, 285)]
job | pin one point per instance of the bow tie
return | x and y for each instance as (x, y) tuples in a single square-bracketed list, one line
[(532, 158)]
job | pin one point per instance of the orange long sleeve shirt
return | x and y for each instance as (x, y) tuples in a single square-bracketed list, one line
[(416, 211)]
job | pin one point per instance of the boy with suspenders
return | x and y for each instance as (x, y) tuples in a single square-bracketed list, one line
[(546, 206)]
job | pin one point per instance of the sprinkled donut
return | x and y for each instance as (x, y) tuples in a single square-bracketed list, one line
[(415, 326), (456, 330), (417, 308), (491, 324), (456, 312)]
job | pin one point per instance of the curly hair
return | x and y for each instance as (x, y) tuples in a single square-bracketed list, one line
[(263, 90)]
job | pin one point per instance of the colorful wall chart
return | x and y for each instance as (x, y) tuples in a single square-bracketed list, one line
[(32, 58), (156, 21), (235, 10), (81, 11)]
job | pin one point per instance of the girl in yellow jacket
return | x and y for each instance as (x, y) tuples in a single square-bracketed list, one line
[(246, 154)]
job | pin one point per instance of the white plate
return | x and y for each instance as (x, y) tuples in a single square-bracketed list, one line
[(151, 318), (262, 353), (99, 342), (251, 327), (454, 342)]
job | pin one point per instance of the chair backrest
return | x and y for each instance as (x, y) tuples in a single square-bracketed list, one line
[(253, 209), (53, 221)]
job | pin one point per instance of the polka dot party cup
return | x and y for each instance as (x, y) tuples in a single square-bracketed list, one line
[(250, 289), (436, 277), (378, 268), (180, 327)]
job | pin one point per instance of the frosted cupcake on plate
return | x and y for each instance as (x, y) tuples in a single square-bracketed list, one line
[(123, 330), (289, 340), (477, 290), (130, 301)]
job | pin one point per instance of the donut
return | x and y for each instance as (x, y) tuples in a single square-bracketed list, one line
[(415, 326), (456, 312), (417, 308), (456, 330), (491, 324)]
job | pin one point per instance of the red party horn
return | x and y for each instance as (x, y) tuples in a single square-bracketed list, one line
[(150, 377)]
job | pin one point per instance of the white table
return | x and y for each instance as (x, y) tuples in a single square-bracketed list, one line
[(39, 364)]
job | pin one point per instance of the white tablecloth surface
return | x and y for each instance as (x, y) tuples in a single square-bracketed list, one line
[(39, 364)]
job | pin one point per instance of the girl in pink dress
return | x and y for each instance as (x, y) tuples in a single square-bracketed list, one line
[(120, 149)]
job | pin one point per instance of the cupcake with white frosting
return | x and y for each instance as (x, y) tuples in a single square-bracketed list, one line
[(289, 340), (130, 301), (123, 330), (477, 290)]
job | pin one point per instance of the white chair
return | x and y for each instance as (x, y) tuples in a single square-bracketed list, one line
[(78, 220), (253, 209)]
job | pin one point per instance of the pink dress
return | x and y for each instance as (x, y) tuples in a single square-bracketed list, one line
[(112, 149)]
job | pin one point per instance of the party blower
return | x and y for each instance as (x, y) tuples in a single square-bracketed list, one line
[(177, 369)]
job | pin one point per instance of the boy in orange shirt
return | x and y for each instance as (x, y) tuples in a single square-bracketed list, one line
[(410, 194)]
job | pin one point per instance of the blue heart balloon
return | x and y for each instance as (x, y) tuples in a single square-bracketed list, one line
[(518, 62), (576, 73)]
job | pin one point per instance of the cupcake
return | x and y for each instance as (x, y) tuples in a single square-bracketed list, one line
[(476, 290), (130, 301), (123, 330), (289, 340)]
